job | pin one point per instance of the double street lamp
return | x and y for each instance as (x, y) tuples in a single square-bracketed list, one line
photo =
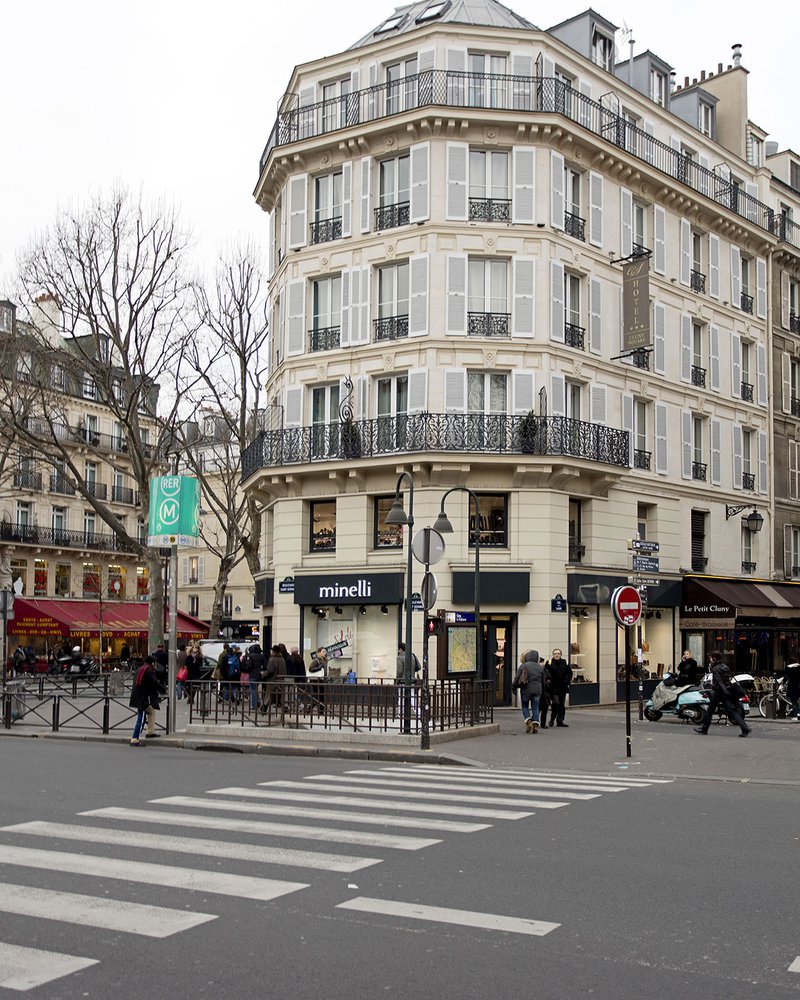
[(398, 516)]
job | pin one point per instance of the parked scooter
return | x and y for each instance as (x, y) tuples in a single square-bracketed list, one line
[(689, 702), (77, 663)]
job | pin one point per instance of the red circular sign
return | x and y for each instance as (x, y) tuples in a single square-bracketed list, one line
[(626, 605)]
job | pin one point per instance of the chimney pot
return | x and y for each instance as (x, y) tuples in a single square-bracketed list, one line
[(694, 81), (719, 67), (702, 75), (737, 53), (686, 81)]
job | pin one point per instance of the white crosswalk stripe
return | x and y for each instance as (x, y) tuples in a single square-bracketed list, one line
[(509, 786), (500, 772), (445, 915), (24, 969)]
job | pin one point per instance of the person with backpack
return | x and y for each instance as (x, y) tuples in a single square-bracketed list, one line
[(254, 664), (725, 692), (529, 681), (144, 697), (234, 674)]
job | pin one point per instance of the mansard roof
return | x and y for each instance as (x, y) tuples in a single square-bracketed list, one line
[(483, 13)]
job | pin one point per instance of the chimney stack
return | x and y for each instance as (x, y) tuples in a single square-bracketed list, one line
[(737, 54)]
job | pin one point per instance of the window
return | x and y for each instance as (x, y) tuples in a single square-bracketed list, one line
[(58, 523), (40, 578), (142, 583), (325, 420), (326, 296), (401, 86), (433, 10), (755, 151), (62, 583), (793, 569), (119, 442), (488, 186), (323, 526), (697, 277), (487, 393), (89, 525), (746, 389), (574, 224), (334, 104), (90, 585), (57, 376), (658, 87), (576, 546), (602, 50), (90, 473), (794, 176), (644, 514), (392, 412), (88, 388), (24, 366), (493, 518), (392, 321), (748, 476), (698, 373), (91, 428), (747, 273), (194, 569), (573, 396), (394, 193), (564, 88), (573, 331), (227, 605), (487, 86), (117, 392), (19, 571), (748, 565), (698, 540), (327, 224), (390, 23), (386, 536), (487, 310), (641, 455), (24, 514), (141, 531), (639, 228), (6, 319), (144, 434), (116, 582), (194, 605), (706, 119)]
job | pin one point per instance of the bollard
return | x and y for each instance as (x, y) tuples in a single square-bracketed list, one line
[(56, 709), (106, 714), (6, 710), (774, 702)]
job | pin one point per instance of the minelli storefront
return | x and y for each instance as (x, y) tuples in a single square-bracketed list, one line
[(755, 624)]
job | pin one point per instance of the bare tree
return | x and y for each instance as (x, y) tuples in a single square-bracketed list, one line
[(117, 272)]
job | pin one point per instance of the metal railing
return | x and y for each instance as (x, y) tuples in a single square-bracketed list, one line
[(391, 327), (747, 303), (748, 480), (640, 250), (576, 552), (574, 336), (122, 494), (422, 433), (60, 484), (488, 324), (697, 281), (489, 210), (641, 459), (698, 376), (641, 359), (699, 563), (33, 534), (325, 230), (324, 339), (391, 216), (795, 406), (747, 392), (794, 322), (28, 480), (575, 226), (748, 567), (94, 489), (522, 95), (699, 471)]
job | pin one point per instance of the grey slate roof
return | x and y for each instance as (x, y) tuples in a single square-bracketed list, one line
[(487, 13)]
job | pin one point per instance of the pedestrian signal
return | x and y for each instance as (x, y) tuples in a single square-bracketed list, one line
[(434, 626)]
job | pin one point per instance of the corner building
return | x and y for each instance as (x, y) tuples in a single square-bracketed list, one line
[(448, 201)]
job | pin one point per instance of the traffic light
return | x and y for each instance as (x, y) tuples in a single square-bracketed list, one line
[(434, 626)]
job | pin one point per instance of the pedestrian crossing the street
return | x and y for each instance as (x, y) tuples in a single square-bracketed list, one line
[(356, 820)]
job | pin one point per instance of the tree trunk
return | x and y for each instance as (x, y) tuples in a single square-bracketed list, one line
[(220, 586), (155, 607)]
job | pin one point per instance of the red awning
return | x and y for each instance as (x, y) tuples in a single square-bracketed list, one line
[(81, 619)]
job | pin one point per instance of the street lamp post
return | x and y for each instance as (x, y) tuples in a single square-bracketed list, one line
[(398, 516)]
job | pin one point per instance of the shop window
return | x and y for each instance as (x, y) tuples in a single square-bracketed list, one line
[(656, 639), (194, 605), (583, 644), (493, 519), (116, 582), (63, 580), (142, 583), (699, 558), (91, 580), (386, 536), (323, 526), (40, 578), (19, 571)]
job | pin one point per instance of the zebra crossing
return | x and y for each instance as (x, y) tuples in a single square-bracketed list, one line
[(361, 816)]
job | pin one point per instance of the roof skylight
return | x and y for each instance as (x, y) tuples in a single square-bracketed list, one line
[(433, 10), (391, 23)]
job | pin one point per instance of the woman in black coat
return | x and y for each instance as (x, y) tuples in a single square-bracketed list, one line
[(144, 694)]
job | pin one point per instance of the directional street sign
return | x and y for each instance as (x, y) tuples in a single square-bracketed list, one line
[(626, 605), (642, 545), (644, 581), (645, 564)]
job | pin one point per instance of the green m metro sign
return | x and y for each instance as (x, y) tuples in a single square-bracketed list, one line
[(174, 511)]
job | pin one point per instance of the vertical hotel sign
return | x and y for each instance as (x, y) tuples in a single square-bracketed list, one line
[(174, 511), (636, 305)]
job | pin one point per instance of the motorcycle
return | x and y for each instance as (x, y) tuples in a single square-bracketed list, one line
[(689, 702), (85, 665)]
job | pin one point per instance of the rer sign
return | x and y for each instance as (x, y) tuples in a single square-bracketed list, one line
[(626, 605), (174, 511)]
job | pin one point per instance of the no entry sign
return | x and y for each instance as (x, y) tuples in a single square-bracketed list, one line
[(626, 605)]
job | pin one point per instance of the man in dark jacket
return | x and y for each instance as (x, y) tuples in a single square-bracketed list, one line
[(561, 678), (723, 693), (144, 697), (529, 681)]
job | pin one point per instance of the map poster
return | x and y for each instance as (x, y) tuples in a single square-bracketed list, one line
[(461, 650)]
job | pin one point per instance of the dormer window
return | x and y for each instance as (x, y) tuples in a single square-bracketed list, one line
[(391, 23), (658, 87), (433, 10), (706, 120), (756, 151), (602, 50), (6, 319), (794, 176)]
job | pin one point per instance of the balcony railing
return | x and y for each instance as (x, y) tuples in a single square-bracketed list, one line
[(747, 392), (28, 481), (576, 552), (60, 484), (122, 494), (748, 480), (794, 322), (641, 459), (421, 433), (699, 470), (325, 339), (640, 250), (795, 406), (489, 210), (61, 538), (698, 376), (699, 563), (391, 327), (488, 324), (641, 359), (574, 336), (575, 226), (697, 281), (521, 96), (94, 489), (325, 230), (747, 303), (748, 567), (391, 216)]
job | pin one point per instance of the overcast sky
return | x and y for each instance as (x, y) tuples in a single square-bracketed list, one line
[(179, 97)]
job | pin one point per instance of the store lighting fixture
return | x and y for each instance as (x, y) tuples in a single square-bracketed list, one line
[(362, 610), (384, 609), (338, 609)]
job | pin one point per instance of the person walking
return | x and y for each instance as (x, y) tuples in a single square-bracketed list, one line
[(723, 693), (792, 674), (546, 702), (193, 667), (561, 678), (296, 671), (144, 694), (254, 664), (528, 680), (234, 674)]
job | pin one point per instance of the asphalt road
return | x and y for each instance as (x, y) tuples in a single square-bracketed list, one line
[(681, 888)]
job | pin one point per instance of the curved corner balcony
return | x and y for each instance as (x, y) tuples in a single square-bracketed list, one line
[(422, 433)]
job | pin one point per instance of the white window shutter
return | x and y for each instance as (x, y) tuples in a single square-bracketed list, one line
[(713, 266), (365, 290), (524, 284), (355, 305), (546, 68), (418, 295), (686, 348), (362, 397), (420, 184), (786, 382), (347, 198), (297, 318), (762, 462), (686, 252), (366, 193), (457, 60), (703, 177), (595, 316), (556, 190), (716, 453), (751, 201), (627, 422), (523, 390), (713, 358), (596, 209), (201, 569), (761, 374), (271, 250), (662, 463), (457, 186), (686, 444), (626, 222), (455, 390), (584, 107), (659, 339), (557, 301), (737, 456), (788, 562), (355, 83), (374, 95), (785, 299), (558, 395), (523, 206), (293, 414), (659, 240), (457, 294), (736, 278), (426, 60), (298, 194), (522, 65), (418, 390), (649, 147), (344, 321), (736, 366), (761, 288), (185, 570), (597, 404)]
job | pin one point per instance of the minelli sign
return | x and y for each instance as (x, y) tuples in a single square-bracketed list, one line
[(349, 588)]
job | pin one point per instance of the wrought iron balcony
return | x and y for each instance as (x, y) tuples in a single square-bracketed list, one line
[(641, 459), (324, 339), (795, 406), (747, 392), (519, 99), (60, 484), (639, 250), (426, 433), (574, 336), (699, 471), (94, 489), (489, 210), (747, 303), (576, 552), (391, 216), (575, 226), (697, 281), (748, 480), (794, 322), (122, 494), (698, 376), (748, 567), (28, 481), (481, 324), (391, 327), (699, 563), (60, 538), (325, 230), (641, 359)]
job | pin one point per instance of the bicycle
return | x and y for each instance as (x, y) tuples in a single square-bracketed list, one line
[(765, 703)]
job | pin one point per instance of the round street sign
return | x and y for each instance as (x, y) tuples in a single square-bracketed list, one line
[(428, 591), (626, 605), (427, 546)]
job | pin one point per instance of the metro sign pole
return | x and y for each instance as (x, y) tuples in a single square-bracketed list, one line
[(626, 606)]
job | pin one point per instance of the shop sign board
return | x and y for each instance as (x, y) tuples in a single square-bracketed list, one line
[(349, 588), (707, 614), (626, 605)]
